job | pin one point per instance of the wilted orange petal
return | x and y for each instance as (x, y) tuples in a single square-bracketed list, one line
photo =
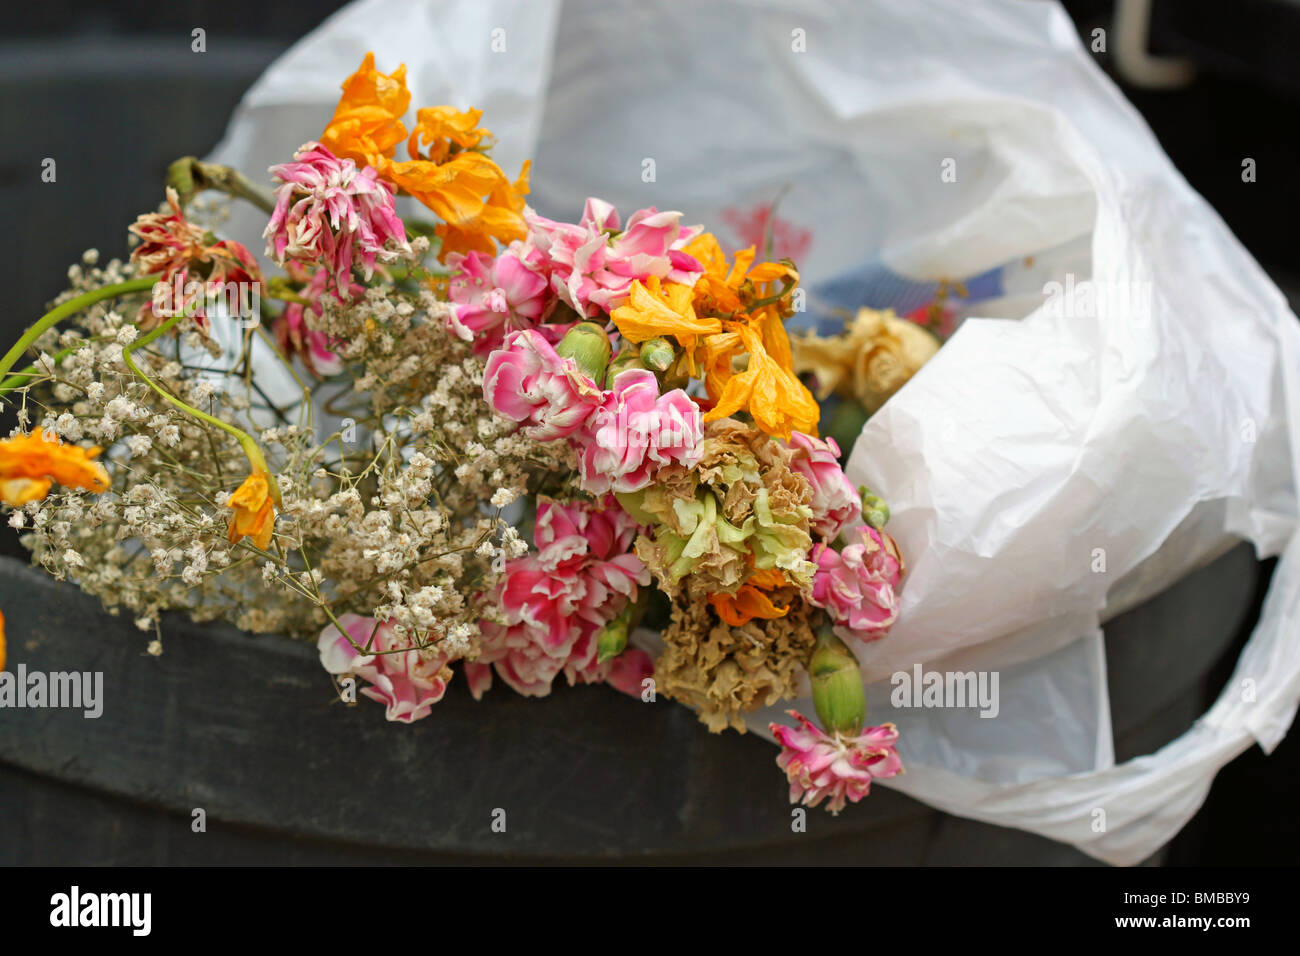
[(654, 309), (747, 603), (32, 457), (254, 514), (366, 126)]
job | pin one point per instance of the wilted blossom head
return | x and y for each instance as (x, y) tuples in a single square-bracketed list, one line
[(835, 502), (635, 431), (838, 767), (495, 296), (526, 380), (556, 601), (313, 346), (193, 273), (592, 264), (856, 586), (330, 213), (408, 683), (168, 241)]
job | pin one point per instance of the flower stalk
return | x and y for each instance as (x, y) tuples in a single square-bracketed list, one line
[(189, 177), (56, 315)]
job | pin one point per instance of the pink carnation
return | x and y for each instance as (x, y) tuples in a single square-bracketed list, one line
[(635, 431), (527, 381), (591, 265), (313, 346), (840, 767), (556, 601), (835, 502), (495, 296), (408, 683), (328, 212), (856, 586)]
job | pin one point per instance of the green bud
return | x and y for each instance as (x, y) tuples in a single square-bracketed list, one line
[(626, 359), (837, 685), (588, 345), (657, 354), (612, 639), (874, 510)]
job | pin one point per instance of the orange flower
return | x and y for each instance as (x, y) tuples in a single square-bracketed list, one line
[(502, 218), (254, 515), (29, 464), (470, 193), (724, 316), (441, 127), (751, 600), (479, 206), (719, 290), (367, 123)]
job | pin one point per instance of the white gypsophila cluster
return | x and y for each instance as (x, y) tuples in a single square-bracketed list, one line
[(397, 516)]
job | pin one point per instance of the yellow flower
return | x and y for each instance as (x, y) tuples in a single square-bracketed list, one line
[(367, 123), (29, 464), (254, 515), (871, 361), (654, 309), (770, 393)]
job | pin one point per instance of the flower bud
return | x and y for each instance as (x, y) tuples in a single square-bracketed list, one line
[(612, 638), (657, 354), (588, 345), (874, 510), (837, 685), (625, 359)]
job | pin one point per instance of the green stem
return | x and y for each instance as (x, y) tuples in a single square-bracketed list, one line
[(189, 176), (61, 312)]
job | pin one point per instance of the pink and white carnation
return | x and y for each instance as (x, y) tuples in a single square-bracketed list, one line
[(328, 212), (857, 586), (296, 337), (838, 767), (635, 431), (407, 682), (556, 601), (591, 265), (835, 502), (493, 297), (527, 381)]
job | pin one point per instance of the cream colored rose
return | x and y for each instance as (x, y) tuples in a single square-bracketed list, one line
[(870, 361)]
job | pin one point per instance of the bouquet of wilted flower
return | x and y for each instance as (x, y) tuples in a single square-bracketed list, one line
[(621, 392)]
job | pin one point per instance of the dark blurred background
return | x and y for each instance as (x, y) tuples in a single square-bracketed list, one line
[(86, 83)]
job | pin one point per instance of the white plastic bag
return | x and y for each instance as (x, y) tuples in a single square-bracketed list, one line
[(1139, 422)]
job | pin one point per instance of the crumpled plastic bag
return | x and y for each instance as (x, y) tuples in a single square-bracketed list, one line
[(1121, 406)]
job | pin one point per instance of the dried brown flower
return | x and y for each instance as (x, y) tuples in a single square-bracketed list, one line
[(724, 672)]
